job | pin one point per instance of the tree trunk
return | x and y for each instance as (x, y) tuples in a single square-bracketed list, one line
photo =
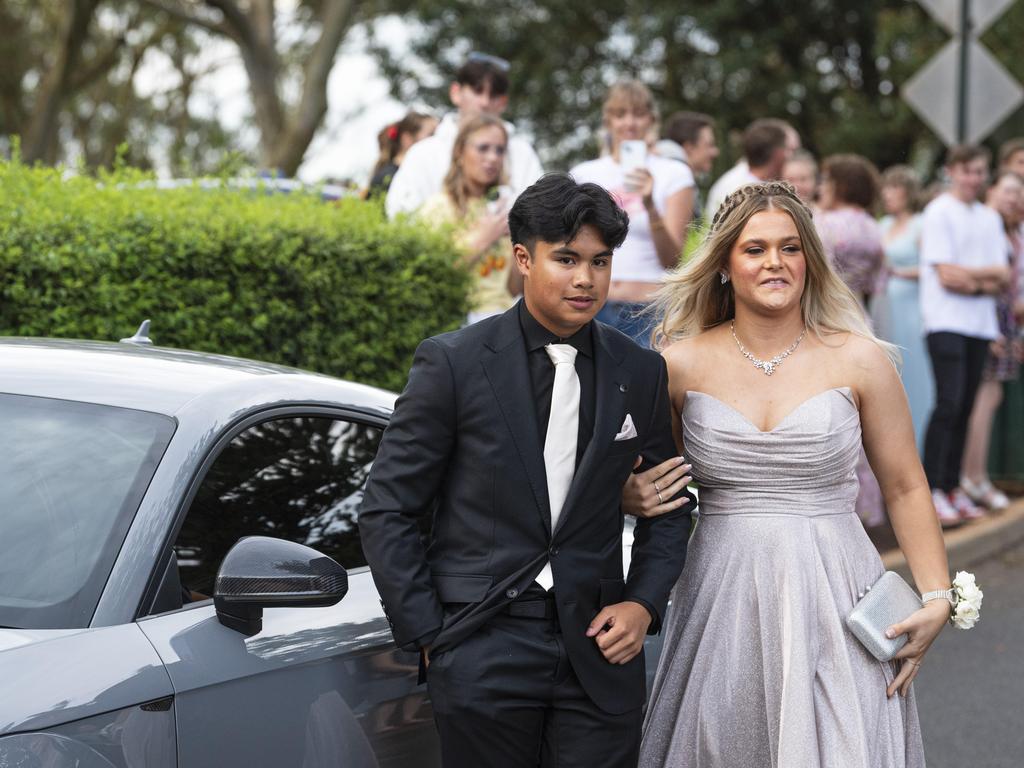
[(289, 146), (39, 138)]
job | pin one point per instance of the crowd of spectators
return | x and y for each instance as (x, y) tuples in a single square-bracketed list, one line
[(938, 272)]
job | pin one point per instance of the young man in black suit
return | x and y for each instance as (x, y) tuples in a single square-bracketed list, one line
[(518, 433)]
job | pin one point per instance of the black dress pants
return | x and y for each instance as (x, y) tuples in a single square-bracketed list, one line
[(957, 365), (507, 697)]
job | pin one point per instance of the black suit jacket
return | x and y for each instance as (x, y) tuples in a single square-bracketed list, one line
[(463, 445)]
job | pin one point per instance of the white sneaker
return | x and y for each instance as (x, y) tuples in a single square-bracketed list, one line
[(985, 493), (962, 503), (948, 516)]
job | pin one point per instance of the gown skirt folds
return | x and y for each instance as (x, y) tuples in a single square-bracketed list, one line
[(758, 668)]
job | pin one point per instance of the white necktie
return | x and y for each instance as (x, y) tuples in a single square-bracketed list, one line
[(561, 438)]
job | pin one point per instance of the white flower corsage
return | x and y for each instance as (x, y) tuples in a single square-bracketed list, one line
[(967, 609)]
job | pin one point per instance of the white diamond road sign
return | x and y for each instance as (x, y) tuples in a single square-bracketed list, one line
[(992, 94)]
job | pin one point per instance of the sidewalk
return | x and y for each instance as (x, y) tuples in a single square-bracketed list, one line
[(967, 545)]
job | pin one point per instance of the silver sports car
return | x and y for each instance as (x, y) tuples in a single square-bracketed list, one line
[(181, 577)]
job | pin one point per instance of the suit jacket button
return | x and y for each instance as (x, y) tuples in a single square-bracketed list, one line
[(623, 388), (553, 551), (512, 594)]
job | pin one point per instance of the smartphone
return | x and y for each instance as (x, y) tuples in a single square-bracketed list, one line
[(632, 155)]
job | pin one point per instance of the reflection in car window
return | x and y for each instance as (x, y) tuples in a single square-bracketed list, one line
[(299, 479), (71, 479)]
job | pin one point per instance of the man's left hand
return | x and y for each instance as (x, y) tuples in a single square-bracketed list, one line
[(619, 631)]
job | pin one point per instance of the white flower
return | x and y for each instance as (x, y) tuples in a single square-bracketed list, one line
[(966, 616), (969, 598)]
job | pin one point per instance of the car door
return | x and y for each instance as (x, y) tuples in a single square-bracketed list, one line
[(317, 686)]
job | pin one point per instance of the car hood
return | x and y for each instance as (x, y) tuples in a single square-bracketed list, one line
[(49, 677)]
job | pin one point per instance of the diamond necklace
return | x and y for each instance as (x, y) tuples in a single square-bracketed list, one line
[(768, 366)]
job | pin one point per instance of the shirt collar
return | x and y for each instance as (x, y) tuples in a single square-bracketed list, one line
[(537, 335)]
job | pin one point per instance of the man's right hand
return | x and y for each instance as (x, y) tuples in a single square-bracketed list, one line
[(425, 652), (640, 494)]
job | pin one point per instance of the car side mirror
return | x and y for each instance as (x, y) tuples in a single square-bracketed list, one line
[(262, 572)]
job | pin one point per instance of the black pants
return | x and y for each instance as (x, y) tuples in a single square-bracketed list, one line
[(957, 364), (507, 697)]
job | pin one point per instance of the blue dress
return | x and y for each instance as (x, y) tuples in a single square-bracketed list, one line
[(897, 318)]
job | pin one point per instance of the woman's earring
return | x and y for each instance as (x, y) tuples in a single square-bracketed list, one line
[(725, 278)]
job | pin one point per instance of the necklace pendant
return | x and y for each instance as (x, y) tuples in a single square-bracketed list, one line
[(769, 369)]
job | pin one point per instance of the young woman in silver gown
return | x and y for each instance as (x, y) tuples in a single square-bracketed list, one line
[(776, 382)]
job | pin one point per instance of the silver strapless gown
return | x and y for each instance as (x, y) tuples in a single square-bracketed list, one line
[(758, 668)]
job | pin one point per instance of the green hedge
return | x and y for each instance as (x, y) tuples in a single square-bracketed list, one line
[(333, 288)]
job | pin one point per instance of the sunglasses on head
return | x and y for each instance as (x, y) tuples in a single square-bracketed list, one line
[(495, 61)]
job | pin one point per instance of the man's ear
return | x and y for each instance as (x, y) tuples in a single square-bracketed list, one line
[(455, 94), (523, 259), (500, 104)]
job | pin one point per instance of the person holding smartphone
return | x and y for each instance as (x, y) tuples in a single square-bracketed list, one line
[(657, 193)]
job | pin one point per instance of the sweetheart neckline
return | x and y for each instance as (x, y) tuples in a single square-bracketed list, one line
[(781, 421)]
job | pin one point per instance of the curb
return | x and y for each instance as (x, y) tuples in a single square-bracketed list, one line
[(971, 543)]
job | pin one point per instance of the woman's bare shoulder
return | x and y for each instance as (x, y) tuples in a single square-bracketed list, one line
[(861, 363), (686, 357)]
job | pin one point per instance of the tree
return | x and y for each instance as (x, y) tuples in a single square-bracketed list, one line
[(69, 87), (286, 126)]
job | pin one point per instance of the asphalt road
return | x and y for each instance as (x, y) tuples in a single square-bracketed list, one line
[(970, 692)]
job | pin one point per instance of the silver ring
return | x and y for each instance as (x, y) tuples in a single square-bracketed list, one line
[(660, 500)]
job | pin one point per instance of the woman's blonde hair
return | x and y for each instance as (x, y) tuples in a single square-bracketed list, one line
[(455, 182), (693, 297)]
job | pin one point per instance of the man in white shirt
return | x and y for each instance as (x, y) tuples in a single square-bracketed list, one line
[(690, 138), (767, 144), (481, 85), (963, 267)]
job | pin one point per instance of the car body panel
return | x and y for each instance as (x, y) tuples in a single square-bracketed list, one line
[(60, 675), (316, 687), (129, 737)]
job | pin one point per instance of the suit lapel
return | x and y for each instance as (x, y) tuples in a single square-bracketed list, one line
[(507, 371), (611, 384)]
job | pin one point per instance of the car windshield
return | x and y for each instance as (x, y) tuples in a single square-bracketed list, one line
[(71, 477)]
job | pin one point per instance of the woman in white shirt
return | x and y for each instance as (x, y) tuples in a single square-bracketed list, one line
[(658, 196)]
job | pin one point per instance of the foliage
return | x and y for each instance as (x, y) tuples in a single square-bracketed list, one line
[(834, 68), (283, 278), (69, 86)]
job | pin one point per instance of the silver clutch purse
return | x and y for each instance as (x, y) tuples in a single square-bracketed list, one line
[(888, 601)]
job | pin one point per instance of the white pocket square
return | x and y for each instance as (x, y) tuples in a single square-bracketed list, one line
[(627, 431)]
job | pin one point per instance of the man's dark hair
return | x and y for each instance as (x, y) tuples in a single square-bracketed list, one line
[(966, 153), (483, 75), (762, 138), (685, 127), (555, 208)]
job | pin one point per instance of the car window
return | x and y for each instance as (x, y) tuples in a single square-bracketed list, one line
[(71, 479), (296, 478)]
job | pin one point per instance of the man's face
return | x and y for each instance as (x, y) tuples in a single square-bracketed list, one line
[(565, 284), (968, 179), (471, 101), (701, 154)]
